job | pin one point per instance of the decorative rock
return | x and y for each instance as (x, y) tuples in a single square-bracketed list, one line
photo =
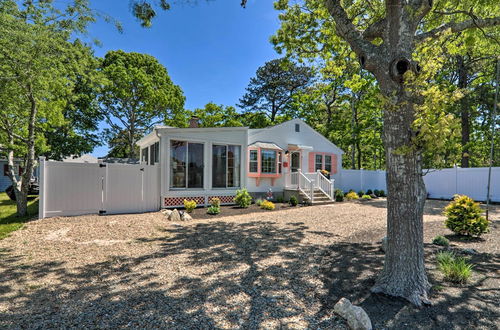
[(166, 212), (174, 216), (469, 251), (356, 316), (383, 247), (186, 217)]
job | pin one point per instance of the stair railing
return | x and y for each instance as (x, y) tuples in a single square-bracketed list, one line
[(306, 186), (325, 185)]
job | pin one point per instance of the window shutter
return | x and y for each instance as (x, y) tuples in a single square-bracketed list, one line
[(334, 164), (311, 162)]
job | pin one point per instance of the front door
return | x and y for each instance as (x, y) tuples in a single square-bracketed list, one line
[(294, 161)]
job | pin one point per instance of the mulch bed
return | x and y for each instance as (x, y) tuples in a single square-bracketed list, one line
[(231, 210)]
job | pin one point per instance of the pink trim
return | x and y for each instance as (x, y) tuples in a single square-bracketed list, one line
[(312, 161)]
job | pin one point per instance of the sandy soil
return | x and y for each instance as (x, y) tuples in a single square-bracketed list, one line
[(280, 269)]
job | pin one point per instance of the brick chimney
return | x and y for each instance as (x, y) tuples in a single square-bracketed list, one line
[(194, 122)]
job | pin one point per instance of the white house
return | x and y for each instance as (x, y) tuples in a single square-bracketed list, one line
[(4, 177), (200, 163)]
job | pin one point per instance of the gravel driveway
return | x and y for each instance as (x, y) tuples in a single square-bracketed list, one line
[(250, 271)]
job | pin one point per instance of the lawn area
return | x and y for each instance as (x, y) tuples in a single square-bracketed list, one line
[(9, 221), (268, 270)]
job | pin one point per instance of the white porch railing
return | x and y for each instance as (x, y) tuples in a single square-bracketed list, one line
[(307, 183)]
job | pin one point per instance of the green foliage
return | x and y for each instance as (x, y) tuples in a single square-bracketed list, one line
[(455, 269), (138, 93), (243, 198), (381, 193), (351, 196), (213, 115), (9, 221), (294, 201), (189, 205), (361, 193), (463, 216), (279, 199), (366, 197), (377, 192), (369, 192), (213, 210), (441, 240), (272, 90), (267, 205), (259, 201), (214, 201), (339, 195)]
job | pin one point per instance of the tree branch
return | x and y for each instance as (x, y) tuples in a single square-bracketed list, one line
[(458, 27), (376, 30)]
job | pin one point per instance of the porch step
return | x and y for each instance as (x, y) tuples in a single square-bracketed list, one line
[(319, 197)]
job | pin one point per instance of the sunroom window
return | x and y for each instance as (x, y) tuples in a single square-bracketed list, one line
[(186, 164), (226, 166)]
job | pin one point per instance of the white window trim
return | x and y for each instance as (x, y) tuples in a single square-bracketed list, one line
[(227, 167)]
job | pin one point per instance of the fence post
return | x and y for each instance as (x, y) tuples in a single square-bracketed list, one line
[(361, 178), (456, 179), (333, 189), (41, 189)]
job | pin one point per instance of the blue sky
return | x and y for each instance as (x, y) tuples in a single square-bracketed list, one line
[(211, 49)]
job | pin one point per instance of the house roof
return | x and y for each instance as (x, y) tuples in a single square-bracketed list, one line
[(266, 145)]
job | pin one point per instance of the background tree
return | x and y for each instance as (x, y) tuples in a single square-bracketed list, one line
[(38, 68), (213, 115), (273, 88), (138, 95)]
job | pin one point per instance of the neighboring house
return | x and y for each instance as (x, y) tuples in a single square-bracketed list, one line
[(201, 163), (87, 158), (4, 177), (114, 160)]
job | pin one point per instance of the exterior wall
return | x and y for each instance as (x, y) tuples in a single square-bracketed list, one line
[(283, 135), (172, 197), (4, 179)]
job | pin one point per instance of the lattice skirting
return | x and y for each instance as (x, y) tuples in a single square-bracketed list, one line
[(200, 200)]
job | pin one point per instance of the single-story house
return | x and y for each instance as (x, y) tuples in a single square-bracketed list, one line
[(199, 163)]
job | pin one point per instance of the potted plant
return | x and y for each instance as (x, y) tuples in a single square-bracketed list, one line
[(326, 174)]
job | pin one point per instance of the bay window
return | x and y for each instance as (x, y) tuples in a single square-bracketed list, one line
[(254, 161), (226, 166), (186, 164), (268, 161)]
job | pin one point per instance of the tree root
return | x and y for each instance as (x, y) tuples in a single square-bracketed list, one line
[(418, 297)]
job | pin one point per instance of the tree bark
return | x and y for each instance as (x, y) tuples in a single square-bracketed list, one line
[(464, 112)]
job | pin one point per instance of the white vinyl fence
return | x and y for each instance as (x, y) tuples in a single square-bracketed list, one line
[(68, 189), (442, 184)]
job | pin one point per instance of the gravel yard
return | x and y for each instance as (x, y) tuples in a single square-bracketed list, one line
[(282, 269)]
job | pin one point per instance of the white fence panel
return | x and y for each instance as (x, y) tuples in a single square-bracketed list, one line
[(131, 188), (442, 184), (70, 189)]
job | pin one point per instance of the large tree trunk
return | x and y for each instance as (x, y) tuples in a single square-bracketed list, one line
[(464, 111), (404, 270)]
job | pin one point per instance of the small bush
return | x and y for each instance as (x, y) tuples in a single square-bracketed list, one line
[(351, 195), (369, 192), (381, 193), (213, 210), (366, 197), (189, 205), (243, 198), (259, 201), (373, 196), (361, 193), (279, 199), (440, 240), (267, 205), (339, 195), (463, 216), (455, 269), (377, 192), (294, 201), (215, 202)]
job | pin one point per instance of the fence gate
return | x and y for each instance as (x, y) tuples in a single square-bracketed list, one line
[(68, 189)]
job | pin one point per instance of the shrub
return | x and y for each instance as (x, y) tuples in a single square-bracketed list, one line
[(440, 240), (259, 201), (369, 192), (351, 195), (455, 269), (279, 199), (373, 196), (294, 201), (213, 210), (267, 205), (381, 193), (366, 197), (377, 192), (189, 205), (243, 198), (215, 202), (361, 193), (339, 195), (463, 216)]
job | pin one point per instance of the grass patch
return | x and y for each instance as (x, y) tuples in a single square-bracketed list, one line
[(455, 269), (9, 221)]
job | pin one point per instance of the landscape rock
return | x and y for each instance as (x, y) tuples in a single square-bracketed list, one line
[(383, 246), (355, 316), (470, 251), (166, 212), (186, 217), (174, 216)]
